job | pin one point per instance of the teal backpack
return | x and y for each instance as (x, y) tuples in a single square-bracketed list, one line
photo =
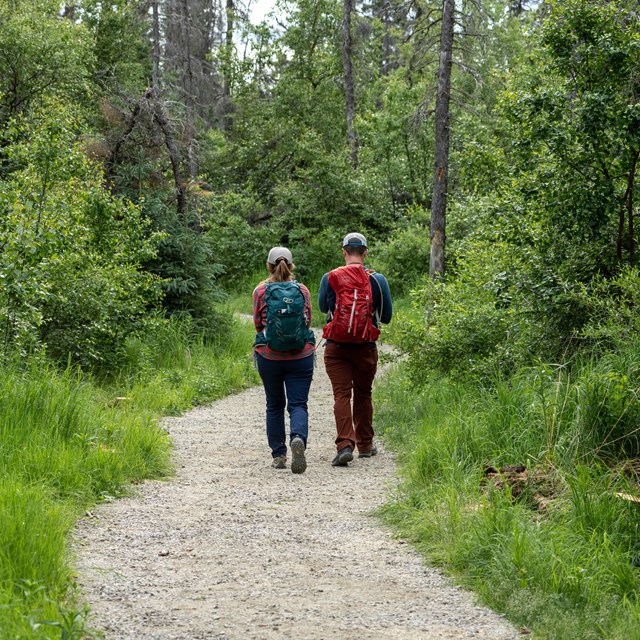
[(286, 327)]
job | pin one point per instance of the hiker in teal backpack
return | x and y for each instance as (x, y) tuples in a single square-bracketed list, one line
[(356, 300), (284, 348)]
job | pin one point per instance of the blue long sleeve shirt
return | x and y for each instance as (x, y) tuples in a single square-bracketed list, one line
[(382, 302)]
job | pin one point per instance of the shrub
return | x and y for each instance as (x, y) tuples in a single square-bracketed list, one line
[(71, 251), (403, 257), (240, 247), (613, 308), (460, 327)]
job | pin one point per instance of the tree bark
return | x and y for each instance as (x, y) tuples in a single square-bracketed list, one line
[(630, 216), (386, 41), (187, 84), (620, 238), (441, 164), (155, 53), (174, 155), (152, 103), (113, 157), (69, 12), (226, 89), (349, 92)]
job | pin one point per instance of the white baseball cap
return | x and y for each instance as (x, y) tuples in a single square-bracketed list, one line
[(354, 240), (279, 252)]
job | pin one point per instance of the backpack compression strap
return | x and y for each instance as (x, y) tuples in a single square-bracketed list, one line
[(378, 314)]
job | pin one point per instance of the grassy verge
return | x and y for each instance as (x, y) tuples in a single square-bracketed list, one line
[(67, 442), (515, 490)]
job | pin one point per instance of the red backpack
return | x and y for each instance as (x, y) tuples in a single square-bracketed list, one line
[(352, 317)]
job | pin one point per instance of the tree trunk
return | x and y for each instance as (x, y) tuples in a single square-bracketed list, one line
[(620, 238), (161, 118), (187, 84), (630, 218), (226, 89), (155, 54), (516, 8), (441, 164), (349, 93), (69, 12), (386, 41), (626, 213)]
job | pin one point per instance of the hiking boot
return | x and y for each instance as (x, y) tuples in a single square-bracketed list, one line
[(343, 457), (369, 454), (279, 462), (298, 461)]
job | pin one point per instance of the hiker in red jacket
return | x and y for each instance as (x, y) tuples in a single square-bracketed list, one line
[(356, 300)]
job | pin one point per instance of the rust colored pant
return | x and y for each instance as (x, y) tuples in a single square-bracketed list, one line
[(351, 369)]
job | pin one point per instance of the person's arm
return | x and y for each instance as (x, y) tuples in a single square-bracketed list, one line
[(323, 294), (259, 307), (386, 303), (307, 304)]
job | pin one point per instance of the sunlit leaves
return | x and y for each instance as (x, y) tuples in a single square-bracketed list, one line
[(71, 251), (40, 55)]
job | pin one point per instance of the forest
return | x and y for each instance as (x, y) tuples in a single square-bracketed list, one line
[(151, 151)]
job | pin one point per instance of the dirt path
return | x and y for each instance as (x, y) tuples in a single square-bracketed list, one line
[(232, 548)]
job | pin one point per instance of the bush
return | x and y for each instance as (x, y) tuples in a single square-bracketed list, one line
[(498, 309), (403, 257), (188, 265), (459, 327), (316, 253), (613, 309), (71, 251), (240, 247)]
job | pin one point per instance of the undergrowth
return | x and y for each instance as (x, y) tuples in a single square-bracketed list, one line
[(522, 490), (68, 442)]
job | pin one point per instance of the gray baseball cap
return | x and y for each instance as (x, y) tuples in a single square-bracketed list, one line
[(279, 252), (354, 240)]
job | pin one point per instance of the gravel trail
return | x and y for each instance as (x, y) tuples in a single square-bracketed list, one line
[(231, 548)]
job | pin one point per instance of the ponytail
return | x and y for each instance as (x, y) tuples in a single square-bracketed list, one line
[(280, 272)]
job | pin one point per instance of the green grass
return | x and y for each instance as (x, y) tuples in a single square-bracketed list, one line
[(179, 370), (67, 442), (561, 558)]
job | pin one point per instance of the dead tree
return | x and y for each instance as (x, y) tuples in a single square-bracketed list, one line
[(227, 106), (349, 91), (441, 164), (187, 85), (152, 106)]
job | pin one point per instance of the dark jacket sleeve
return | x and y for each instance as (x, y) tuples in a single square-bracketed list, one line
[(382, 301), (326, 295)]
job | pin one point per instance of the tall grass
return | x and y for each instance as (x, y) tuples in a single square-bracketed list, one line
[(560, 552), (177, 369), (67, 442)]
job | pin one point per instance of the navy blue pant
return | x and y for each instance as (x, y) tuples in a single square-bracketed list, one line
[(286, 384)]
